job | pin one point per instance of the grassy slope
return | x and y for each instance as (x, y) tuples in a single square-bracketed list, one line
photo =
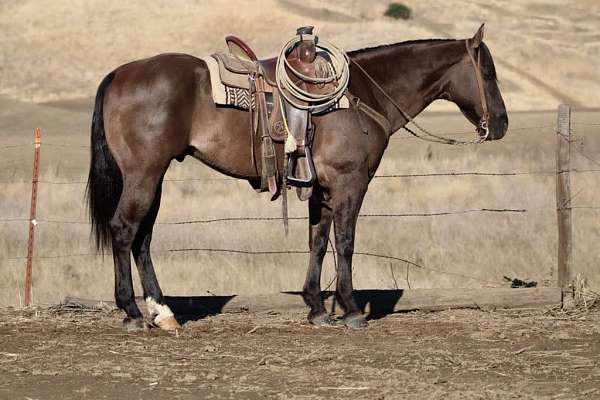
[(51, 50)]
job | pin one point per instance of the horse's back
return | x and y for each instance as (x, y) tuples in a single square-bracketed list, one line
[(150, 105), (163, 78)]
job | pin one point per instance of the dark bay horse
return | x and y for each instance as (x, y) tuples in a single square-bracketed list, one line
[(151, 111)]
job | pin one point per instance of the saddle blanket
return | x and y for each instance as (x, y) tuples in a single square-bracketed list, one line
[(236, 92)]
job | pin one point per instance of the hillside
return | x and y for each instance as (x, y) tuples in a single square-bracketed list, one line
[(545, 53)]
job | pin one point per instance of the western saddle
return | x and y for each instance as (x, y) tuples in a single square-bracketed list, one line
[(275, 113)]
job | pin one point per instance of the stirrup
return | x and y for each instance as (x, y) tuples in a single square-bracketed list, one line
[(310, 169)]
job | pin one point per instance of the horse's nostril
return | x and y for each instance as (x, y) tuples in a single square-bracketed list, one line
[(502, 124)]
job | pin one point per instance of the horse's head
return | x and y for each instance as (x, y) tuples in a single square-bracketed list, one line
[(473, 86)]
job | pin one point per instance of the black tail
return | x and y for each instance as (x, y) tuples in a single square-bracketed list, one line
[(105, 183)]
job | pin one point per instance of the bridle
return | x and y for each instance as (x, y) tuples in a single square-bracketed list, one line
[(484, 121), (483, 124)]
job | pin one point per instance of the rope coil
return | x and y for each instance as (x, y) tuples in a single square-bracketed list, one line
[(338, 73)]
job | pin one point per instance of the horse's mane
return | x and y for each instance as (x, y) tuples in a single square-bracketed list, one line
[(399, 44), (487, 63)]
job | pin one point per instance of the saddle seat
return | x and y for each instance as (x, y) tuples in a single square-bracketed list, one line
[(267, 68), (242, 60), (235, 71)]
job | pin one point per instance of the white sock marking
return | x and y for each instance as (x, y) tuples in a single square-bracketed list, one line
[(158, 312)]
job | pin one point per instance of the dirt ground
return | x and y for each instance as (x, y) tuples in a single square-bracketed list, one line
[(461, 354)]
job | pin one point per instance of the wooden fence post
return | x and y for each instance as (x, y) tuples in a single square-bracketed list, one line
[(563, 195), (32, 220)]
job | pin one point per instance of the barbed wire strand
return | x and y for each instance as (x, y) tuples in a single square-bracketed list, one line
[(379, 176), (523, 128), (259, 253), (245, 219), (13, 146)]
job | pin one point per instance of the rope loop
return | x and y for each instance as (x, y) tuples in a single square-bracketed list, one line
[(338, 75)]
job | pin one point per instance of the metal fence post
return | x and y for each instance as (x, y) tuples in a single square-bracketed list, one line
[(32, 220), (563, 195)]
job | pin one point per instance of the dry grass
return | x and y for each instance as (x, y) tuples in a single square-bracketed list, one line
[(474, 250), (546, 53)]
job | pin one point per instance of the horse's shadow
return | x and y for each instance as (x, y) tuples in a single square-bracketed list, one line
[(193, 308)]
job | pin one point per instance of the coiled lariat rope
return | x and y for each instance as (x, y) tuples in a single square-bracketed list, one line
[(338, 73)]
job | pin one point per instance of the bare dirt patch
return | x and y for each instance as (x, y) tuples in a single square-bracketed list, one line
[(461, 354)]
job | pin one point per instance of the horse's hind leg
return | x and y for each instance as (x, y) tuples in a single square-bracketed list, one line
[(320, 223), (159, 312), (136, 199)]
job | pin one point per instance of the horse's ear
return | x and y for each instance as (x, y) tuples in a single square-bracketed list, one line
[(478, 37)]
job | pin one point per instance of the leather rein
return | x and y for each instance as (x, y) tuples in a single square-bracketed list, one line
[(483, 125)]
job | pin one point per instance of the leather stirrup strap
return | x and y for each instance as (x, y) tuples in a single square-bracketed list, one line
[(253, 126)]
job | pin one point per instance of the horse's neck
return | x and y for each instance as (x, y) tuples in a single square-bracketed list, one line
[(411, 73)]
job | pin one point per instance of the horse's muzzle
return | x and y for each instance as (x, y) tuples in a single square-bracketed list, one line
[(498, 126)]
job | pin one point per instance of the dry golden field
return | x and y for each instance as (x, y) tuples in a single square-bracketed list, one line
[(546, 51), (53, 54)]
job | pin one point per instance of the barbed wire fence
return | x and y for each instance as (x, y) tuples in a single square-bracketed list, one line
[(562, 204)]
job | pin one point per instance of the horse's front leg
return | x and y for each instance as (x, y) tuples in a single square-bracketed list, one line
[(320, 217), (346, 206)]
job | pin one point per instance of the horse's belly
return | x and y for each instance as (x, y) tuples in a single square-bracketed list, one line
[(221, 139)]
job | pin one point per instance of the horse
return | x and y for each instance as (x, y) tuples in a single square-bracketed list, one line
[(151, 111)]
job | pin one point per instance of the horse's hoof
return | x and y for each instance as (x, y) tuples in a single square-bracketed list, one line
[(161, 315), (355, 321), (168, 324), (321, 320), (134, 324)]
